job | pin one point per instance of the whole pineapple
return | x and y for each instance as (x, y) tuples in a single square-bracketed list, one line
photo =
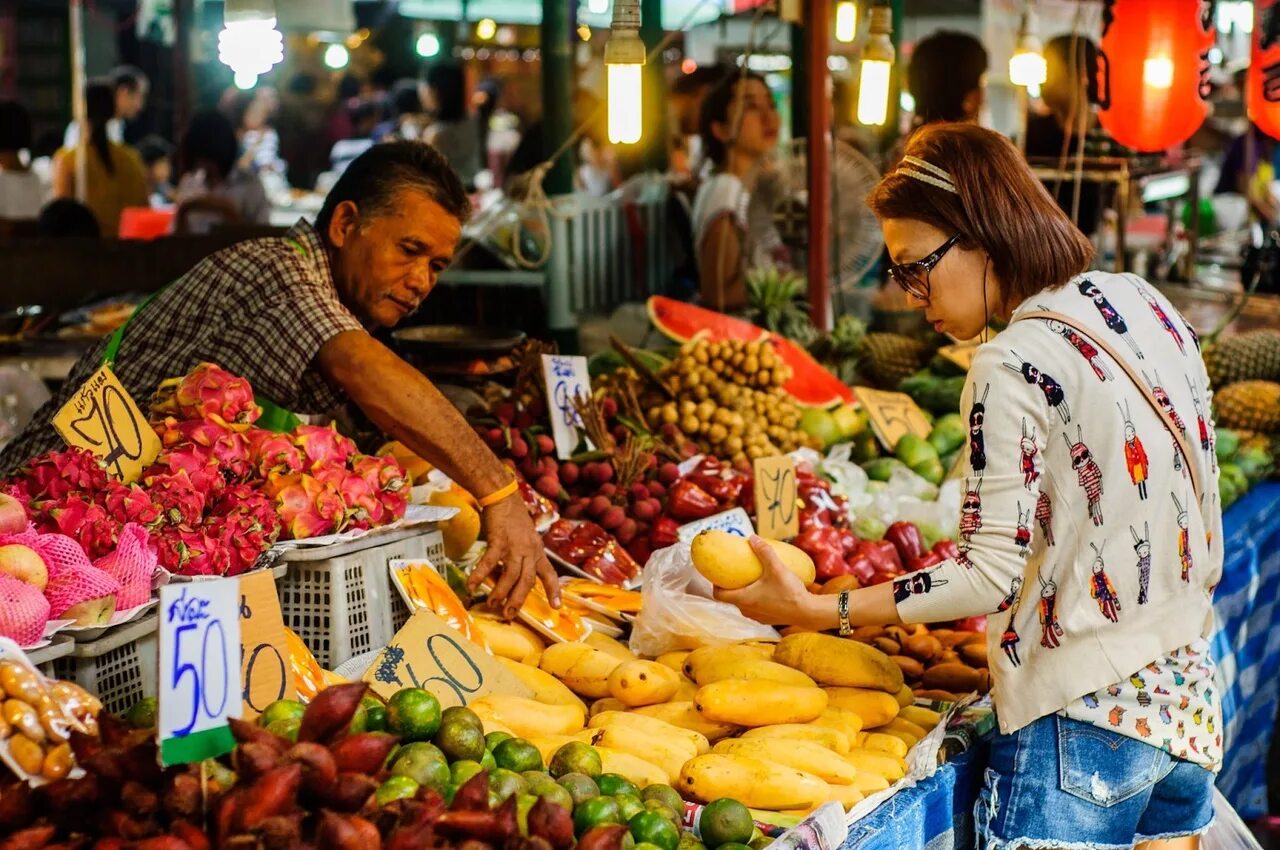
[(1250, 356), (887, 358), (776, 302), (1249, 405)]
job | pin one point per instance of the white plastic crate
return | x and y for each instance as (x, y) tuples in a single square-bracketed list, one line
[(339, 598), (119, 668)]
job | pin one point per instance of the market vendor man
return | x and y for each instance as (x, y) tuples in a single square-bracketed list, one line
[(292, 314)]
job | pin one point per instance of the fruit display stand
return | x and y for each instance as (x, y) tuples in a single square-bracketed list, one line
[(119, 667), (338, 598)]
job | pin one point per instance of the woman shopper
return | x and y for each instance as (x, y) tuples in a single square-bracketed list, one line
[(1094, 546), (114, 175)]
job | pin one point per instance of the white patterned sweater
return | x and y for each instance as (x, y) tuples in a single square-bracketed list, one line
[(1080, 533)]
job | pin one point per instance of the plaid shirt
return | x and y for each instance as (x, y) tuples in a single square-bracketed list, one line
[(260, 309)]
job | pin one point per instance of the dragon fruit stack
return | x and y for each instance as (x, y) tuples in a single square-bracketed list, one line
[(221, 491)]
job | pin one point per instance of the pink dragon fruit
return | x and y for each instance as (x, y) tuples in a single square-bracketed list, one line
[(24, 610), (132, 564), (394, 504), (84, 594), (242, 534), (85, 522), (180, 502), (306, 506), (362, 508), (228, 448), (272, 453), (382, 473), (323, 446), (55, 475), (191, 553), (197, 462), (209, 391), (129, 503)]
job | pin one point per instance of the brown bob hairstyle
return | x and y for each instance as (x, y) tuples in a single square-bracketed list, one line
[(1000, 208)]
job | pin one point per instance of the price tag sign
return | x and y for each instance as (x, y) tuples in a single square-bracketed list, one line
[(892, 415), (961, 355), (428, 653), (102, 418), (566, 378), (735, 521), (777, 503), (264, 668), (199, 654)]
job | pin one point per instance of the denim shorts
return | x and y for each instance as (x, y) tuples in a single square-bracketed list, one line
[(1065, 784)]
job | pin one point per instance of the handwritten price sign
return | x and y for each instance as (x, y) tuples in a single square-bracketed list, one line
[(102, 418), (735, 521), (777, 511), (199, 654), (566, 378), (264, 672), (428, 653), (892, 415)]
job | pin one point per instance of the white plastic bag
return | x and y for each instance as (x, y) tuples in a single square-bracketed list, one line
[(678, 612), (1228, 832)]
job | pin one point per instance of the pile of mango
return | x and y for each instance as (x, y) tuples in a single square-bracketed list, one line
[(783, 727)]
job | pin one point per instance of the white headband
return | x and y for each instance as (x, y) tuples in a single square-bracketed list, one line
[(935, 176)]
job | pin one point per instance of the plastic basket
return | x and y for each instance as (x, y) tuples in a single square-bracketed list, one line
[(339, 598), (119, 668)]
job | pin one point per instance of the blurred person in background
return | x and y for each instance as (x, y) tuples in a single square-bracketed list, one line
[(947, 78), (739, 126), (687, 93), (252, 115), (129, 88), (157, 157), (484, 102), (407, 118), (453, 131), (65, 218), (114, 176), (216, 187), (21, 192), (364, 120)]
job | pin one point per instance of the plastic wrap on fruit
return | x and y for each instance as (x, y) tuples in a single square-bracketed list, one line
[(540, 508), (689, 501), (567, 625), (723, 483), (905, 537), (612, 565), (308, 675), (427, 589)]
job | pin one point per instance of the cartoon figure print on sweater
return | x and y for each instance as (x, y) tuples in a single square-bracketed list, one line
[(1023, 535), (1009, 638), (1101, 588), (977, 447), (1044, 516), (1109, 314), (1142, 545), (1087, 473), (1206, 434), (1027, 445), (1135, 456), (971, 511), (1161, 316), (919, 582), (1087, 349), (1050, 630), (1166, 404), (1052, 390), (1184, 539)]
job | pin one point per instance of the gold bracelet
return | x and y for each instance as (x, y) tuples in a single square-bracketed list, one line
[(499, 494), (842, 610)]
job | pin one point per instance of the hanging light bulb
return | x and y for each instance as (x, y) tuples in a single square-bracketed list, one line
[(428, 45), (486, 28), (846, 21), (1027, 66), (877, 66), (624, 60), (1157, 72), (336, 57), (249, 44)]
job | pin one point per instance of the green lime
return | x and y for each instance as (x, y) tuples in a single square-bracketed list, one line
[(689, 841), (664, 810), (537, 779), (219, 773), (493, 739), (725, 821), (359, 721), (461, 714), (286, 728), (517, 754), (375, 718), (143, 713), (460, 740), (629, 805), (487, 762), (644, 845), (663, 794), (524, 803), (423, 766), (553, 793), (494, 799), (734, 845), (611, 785), (413, 714), (595, 812), (461, 771), (505, 783), (759, 842), (653, 828), (575, 757), (281, 709), (395, 788), (580, 786)]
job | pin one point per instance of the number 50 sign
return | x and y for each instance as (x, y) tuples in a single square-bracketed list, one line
[(199, 669)]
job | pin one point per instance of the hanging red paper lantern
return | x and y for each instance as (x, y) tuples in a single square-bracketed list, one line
[(1262, 89), (1153, 68)]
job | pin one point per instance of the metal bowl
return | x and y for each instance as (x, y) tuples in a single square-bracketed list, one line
[(456, 342)]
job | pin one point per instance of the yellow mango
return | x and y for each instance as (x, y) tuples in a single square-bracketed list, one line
[(839, 662), (751, 668), (462, 530), (802, 755), (584, 669), (903, 729), (604, 643), (724, 653), (509, 640), (841, 719), (685, 691), (832, 739), (674, 660), (669, 754), (606, 704), (726, 560), (869, 783), (546, 688), (925, 718), (529, 717), (637, 770), (846, 795), (905, 696), (876, 708), (883, 743), (652, 726), (638, 682), (684, 715), (756, 783), (890, 767), (756, 702)]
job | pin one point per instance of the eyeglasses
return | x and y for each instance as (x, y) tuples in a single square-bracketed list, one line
[(914, 277)]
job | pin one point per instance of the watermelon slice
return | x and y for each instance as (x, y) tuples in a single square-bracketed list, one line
[(810, 385)]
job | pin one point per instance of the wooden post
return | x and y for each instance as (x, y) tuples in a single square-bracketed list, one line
[(78, 107), (557, 124), (817, 46), (182, 22)]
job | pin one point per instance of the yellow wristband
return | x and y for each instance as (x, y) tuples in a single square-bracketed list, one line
[(499, 494)]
